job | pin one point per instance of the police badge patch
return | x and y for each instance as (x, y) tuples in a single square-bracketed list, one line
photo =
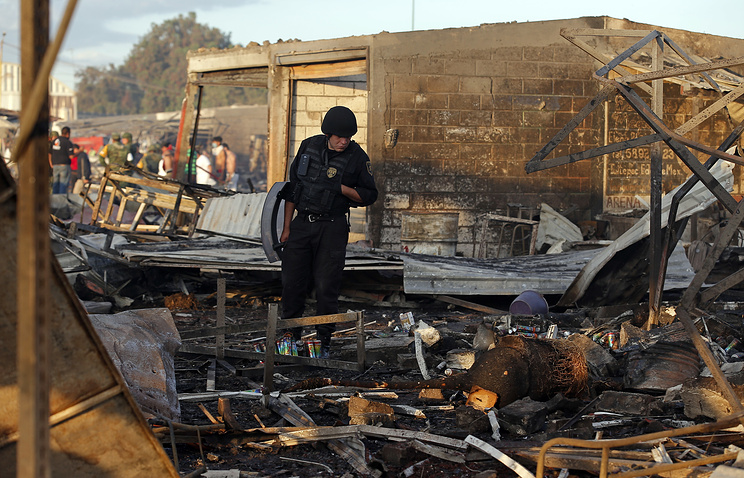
[(331, 172)]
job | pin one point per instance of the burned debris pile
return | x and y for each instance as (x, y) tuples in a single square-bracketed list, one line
[(445, 384), (601, 378)]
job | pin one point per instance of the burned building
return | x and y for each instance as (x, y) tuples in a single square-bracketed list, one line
[(455, 131), (450, 117)]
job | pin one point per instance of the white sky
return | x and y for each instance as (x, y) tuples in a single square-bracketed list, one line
[(103, 31)]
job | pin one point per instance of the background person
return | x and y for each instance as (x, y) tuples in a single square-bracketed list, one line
[(133, 154), (231, 176), (60, 159), (150, 162), (220, 157), (204, 167), (165, 167), (82, 171), (115, 153)]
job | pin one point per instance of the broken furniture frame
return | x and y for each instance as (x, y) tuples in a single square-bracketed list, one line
[(172, 198), (516, 223), (606, 445), (271, 356), (675, 140)]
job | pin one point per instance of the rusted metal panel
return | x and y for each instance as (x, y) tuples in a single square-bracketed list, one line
[(96, 428), (662, 366)]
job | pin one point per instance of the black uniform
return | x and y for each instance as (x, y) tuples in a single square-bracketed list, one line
[(315, 252)]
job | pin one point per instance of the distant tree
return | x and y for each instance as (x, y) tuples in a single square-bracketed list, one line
[(159, 58), (107, 91), (153, 77)]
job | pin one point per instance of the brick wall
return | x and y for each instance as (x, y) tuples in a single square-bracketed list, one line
[(312, 99), (627, 181), (468, 122)]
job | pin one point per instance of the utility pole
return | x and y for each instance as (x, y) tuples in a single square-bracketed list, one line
[(34, 272), (413, 11)]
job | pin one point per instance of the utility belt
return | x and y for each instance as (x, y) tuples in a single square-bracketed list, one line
[(310, 217)]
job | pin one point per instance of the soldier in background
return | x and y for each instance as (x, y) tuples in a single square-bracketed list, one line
[(151, 160), (132, 150), (115, 153)]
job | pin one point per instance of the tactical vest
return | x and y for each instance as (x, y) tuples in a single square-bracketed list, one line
[(117, 155), (151, 160), (320, 176)]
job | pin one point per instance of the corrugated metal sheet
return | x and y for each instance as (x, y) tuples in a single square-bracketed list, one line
[(226, 254), (547, 274), (544, 273), (661, 366), (236, 216)]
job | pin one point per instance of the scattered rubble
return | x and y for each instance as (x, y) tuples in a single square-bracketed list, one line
[(502, 383), (436, 430), (450, 386)]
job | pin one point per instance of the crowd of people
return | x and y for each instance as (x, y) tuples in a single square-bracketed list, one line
[(70, 164), (121, 152), (216, 166)]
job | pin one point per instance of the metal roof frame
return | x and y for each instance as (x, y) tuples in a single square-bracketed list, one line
[(680, 145)]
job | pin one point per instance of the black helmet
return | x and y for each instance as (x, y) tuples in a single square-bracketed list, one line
[(340, 121)]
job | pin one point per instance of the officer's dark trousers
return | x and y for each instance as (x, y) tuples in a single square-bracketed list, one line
[(314, 256)]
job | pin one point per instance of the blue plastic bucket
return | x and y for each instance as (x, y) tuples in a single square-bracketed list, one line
[(529, 302)]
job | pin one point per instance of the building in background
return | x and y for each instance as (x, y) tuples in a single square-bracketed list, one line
[(62, 98), (451, 117)]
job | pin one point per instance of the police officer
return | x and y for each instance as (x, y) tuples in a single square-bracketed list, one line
[(329, 174)]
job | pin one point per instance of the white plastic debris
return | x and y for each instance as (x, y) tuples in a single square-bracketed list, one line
[(420, 356)]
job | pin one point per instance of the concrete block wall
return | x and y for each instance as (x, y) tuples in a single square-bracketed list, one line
[(468, 122), (472, 106), (312, 98)]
